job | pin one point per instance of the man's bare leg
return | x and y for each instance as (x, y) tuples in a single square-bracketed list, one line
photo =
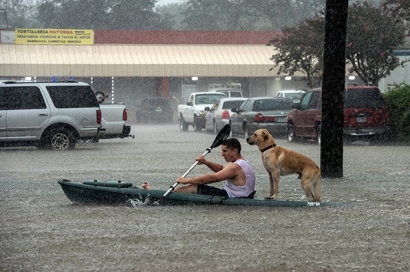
[(190, 189)]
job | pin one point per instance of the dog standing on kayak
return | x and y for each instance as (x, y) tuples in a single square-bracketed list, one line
[(279, 161)]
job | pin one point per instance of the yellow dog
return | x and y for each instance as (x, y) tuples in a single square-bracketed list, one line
[(279, 161)]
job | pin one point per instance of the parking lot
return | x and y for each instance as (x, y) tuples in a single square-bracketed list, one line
[(42, 231)]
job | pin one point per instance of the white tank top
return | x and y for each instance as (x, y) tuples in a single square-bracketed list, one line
[(248, 188)]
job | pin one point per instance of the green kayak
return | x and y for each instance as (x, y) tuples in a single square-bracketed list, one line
[(117, 192)]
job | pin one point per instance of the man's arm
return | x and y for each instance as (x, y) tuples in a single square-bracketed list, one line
[(216, 167), (227, 172)]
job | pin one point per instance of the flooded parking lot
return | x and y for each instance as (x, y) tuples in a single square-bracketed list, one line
[(41, 230)]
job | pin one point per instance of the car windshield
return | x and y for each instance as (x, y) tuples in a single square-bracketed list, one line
[(232, 104), (157, 103), (363, 98), (293, 95), (208, 98), (272, 104), (236, 94)]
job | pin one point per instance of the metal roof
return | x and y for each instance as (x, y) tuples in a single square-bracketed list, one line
[(137, 60)]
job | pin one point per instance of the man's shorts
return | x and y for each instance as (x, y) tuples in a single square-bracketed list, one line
[(209, 190)]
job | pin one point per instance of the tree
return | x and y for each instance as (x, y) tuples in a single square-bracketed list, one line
[(171, 16), (143, 14), (134, 14), (301, 49), (19, 13), (210, 15), (399, 9), (371, 40), (248, 15), (73, 14), (98, 14), (398, 100)]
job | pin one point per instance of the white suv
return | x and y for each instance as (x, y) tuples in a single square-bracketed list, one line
[(48, 114)]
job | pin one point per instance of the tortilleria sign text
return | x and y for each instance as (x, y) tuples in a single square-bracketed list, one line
[(54, 36)]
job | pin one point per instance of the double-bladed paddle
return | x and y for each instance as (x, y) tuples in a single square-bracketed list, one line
[(219, 139)]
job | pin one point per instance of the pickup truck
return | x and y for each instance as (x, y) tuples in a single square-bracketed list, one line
[(114, 117), (193, 112)]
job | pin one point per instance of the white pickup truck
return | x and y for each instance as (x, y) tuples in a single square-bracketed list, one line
[(114, 118), (193, 112)]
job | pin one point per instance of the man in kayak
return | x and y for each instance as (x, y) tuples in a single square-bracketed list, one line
[(238, 173)]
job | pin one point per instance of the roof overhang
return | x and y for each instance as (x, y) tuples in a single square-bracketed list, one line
[(137, 60)]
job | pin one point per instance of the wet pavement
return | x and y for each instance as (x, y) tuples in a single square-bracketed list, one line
[(41, 230)]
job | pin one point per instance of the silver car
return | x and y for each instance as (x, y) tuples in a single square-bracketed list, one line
[(261, 112), (48, 114), (219, 114)]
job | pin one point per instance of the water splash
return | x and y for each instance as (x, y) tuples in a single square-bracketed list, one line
[(140, 201)]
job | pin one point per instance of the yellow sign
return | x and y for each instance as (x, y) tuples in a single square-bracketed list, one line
[(54, 36)]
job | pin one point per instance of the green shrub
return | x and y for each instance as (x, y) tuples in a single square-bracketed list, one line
[(398, 101)]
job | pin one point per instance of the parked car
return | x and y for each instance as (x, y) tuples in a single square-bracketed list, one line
[(154, 110), (294, 95), (48, 115), (219, 114), (261, 112), (365, 114)]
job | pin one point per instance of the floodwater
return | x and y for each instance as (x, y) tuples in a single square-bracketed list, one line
[(41, 230)]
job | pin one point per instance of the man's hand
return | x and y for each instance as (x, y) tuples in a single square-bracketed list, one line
[(201, 159), (181, 180)]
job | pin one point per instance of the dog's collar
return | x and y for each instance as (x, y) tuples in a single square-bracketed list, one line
[(269, 147)]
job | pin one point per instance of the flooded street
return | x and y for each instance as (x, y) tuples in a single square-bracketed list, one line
[(41, 230)]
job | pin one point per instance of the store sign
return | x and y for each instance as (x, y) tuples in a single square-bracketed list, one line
[(54, 36)]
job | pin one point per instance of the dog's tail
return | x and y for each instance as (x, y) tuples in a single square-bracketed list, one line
[(316, 187)]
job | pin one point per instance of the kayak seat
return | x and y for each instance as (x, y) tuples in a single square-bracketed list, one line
[(251, 195)]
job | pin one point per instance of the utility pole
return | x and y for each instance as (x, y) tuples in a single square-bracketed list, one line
[(334, 69)]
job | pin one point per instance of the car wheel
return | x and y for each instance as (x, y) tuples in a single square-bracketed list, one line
[(182, 124), (62, 140), (249, 132), (291, 134), (206, 128), (196, 124), (245, 131), (58, 139), (231, 133), (215, 129)]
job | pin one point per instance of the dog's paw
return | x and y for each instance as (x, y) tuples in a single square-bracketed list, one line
[(269, 198)]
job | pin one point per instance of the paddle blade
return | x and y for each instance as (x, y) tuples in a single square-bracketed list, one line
[(222, 136)]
